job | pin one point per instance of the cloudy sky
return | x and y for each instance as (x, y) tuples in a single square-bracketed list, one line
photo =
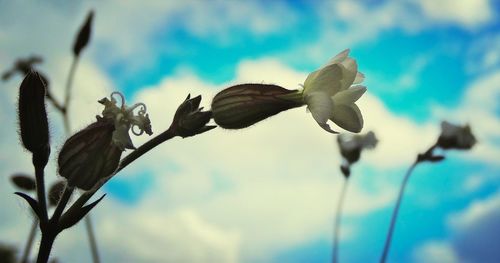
[(267, 193)]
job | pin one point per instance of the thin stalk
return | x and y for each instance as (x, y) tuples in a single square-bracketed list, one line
[(29, 242), (92, 239), (338, 216), (395, 213), (66, 195), (67, 98)]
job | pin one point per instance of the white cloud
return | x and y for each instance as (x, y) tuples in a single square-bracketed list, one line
[(476, 212), (435, 251), (468, 13)]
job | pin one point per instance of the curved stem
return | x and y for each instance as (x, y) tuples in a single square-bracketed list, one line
[(29, 242), (68, 191), (92, 239), (395, 213), (338, 216)]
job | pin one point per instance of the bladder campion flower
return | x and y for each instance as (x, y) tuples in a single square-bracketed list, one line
[(328, 93), (351, 147), (455, 137), (94, 152)]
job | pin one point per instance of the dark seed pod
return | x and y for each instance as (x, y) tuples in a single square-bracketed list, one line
[(33, 123), (83, 37), (55, 192), (24, 182), (243, 105), (89, 155)]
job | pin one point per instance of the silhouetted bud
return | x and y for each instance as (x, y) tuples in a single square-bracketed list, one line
[(351, 145), (55, 192), (34, 128), (24, 182), (455, 137), (89, 155), (189, 118), (83, 37), (243, 105)]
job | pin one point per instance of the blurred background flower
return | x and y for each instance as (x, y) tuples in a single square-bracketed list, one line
[(263, 194)]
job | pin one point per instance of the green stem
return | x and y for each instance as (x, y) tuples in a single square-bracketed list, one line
[(92, 239), (66, 195), (67, 98), (46, 243), (29, 242), (338, 216), (395, 213)]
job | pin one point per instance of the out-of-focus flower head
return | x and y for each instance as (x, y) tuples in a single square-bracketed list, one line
[(351, 146), (455, 137), (330, 95), (125, 119)]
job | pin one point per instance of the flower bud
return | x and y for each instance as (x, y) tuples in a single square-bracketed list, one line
[(55, 192), (89, 155), (33, 124), (455, 137), (189, 119), (243, 105), (83, 36), (351, 145)]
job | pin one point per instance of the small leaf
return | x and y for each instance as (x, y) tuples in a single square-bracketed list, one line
[(70, 218), (32, 202), (23, 181), (56, 191)]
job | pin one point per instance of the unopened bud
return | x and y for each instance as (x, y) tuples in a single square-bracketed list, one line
[(189, 118), (83, 37), (243, 105), (33, 124), (55, 192), (89, 155)]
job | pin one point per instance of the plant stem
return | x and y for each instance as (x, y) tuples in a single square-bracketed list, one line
[(338, 216), (46, 243), (40, 191), (92, 239), (29, 242), (68, 191), (67, 98), (395, 212)]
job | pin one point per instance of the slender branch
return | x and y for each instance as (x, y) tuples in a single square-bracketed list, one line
[(338, 216), (29, 242), (68, 191), (395, 212), (92, 239)]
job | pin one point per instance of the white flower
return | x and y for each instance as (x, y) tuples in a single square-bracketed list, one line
[(124, 118), (454, 136), (329, 94), (350, 142)]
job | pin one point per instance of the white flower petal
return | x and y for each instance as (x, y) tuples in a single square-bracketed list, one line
[(360, 77), (339, 57), (321, 107), (349, 73), (348, 117), (349, 96), (328, 80)]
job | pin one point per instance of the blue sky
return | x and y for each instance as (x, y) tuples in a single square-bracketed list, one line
[(267, 193)]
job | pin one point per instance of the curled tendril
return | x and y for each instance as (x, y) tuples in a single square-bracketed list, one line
[(141, 111), (122, 99), (137, 133)]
